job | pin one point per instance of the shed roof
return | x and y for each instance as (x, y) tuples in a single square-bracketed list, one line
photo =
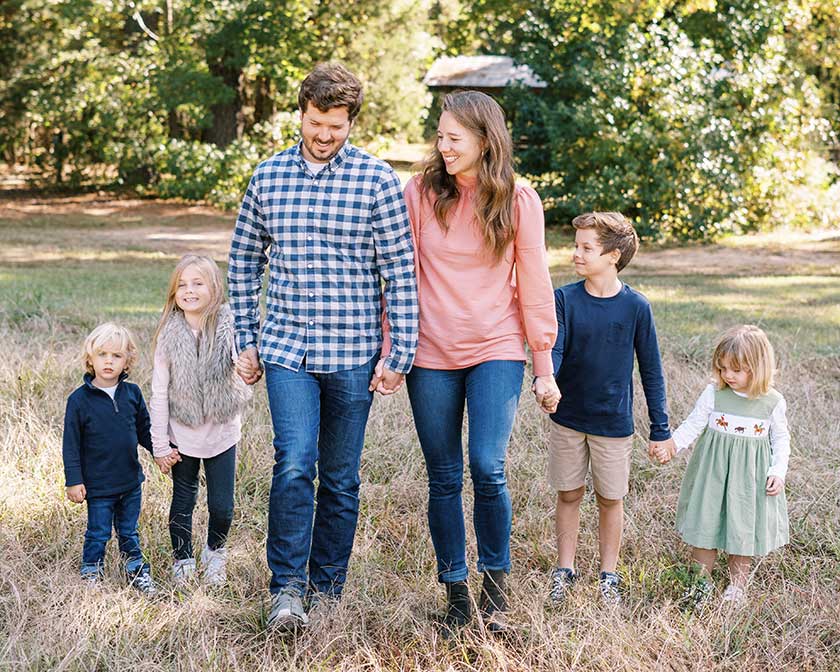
[(486, 72)]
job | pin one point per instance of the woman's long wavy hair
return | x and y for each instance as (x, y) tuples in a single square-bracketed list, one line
[(482, 116)]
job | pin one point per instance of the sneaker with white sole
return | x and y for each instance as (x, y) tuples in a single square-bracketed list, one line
[(214, 566), (287, 613), (183, 571), (142, 582), (609, 584), (562, 580), (734, 595)]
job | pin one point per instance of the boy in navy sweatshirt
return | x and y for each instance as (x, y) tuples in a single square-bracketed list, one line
[(602, 324), (105, 420)]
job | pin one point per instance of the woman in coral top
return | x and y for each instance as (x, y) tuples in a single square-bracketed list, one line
[(484, 289)]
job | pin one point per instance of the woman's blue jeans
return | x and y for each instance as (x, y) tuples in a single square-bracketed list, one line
[(490, 391)]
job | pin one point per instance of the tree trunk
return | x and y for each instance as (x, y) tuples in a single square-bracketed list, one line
[(226, 116)]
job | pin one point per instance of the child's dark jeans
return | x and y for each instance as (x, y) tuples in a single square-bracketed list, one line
[(219, 473), (120, 512)]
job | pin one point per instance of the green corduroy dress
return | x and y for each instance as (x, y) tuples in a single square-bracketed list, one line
[(723, 503)]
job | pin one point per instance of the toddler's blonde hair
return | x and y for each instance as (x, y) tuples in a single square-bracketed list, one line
[(209, 270), (103, 335), (746, 347)]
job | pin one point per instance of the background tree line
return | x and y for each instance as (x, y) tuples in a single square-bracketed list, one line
[(692, 116)]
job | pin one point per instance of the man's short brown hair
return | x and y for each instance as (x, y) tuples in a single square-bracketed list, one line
[(615, 232), (331, 85)]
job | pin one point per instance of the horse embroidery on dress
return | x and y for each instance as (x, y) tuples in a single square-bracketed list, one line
[(740, 430), (759, 429), (721, 422)]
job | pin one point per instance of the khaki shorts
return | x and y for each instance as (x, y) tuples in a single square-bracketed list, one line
[(570, 453)]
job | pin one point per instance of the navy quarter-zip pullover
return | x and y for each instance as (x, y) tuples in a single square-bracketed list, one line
[(101, 436)]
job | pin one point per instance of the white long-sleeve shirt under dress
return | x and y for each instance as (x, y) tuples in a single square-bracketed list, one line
[(704, 416), (203, 441), (723, 500)]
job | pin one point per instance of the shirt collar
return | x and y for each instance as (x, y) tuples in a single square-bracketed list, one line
[(334, 162)]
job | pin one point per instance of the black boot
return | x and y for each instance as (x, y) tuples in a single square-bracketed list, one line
[(458, 607), (493, 603)]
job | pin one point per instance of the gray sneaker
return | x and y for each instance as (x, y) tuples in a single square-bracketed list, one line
[(562, 580), (287, 613), (214, 566)]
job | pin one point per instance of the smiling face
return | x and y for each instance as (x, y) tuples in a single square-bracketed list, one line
[(193, 294), (323, 133), (108, 362), (589, 258), (460, 148)]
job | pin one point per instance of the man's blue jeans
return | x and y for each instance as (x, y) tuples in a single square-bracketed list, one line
[(490, 391), (120, 512), (319, 426)]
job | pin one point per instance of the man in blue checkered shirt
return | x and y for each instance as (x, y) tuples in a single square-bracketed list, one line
[(330, 221)]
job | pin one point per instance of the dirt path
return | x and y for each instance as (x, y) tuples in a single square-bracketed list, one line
[(40, 228)]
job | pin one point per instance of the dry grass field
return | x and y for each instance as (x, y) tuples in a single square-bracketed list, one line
[(68, 263)]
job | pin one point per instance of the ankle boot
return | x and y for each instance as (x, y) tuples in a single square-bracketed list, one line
[(458, 607), (493, 602)]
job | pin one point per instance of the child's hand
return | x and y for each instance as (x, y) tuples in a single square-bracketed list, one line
[(663, 451), (775, 485), (546, 393), (248, 366), (165, 462), (76, 493)]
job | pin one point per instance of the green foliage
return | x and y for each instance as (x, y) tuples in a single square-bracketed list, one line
[(690, 126)]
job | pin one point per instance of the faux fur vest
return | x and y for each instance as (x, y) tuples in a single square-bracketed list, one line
[(203, 384)]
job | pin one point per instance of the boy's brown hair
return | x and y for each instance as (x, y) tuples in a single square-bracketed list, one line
[(615, 232), (331, 85)]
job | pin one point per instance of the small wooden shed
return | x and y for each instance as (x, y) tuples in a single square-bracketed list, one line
[(491, 74)]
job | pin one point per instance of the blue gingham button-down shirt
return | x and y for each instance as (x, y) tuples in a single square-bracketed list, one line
[(330, 240)]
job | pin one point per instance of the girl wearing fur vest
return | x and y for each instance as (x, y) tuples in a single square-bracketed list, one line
[(196, 405)]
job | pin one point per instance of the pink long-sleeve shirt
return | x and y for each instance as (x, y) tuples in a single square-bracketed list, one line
[(473, 310)]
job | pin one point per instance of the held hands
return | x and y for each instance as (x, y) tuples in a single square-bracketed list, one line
[(165, 462), (76, 493), (775, 485), (384, 380), (663, 451), (546, 393), (248, 366)]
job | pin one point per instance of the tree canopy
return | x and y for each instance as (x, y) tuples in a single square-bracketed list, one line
[(691, 116)]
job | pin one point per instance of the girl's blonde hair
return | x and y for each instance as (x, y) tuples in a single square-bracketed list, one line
[(209, 270), (102, 336), (746, 347), (496, 186)]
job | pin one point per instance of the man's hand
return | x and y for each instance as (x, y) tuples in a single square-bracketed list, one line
[(384, 380), (248, 366), (663, 451), (546, 393), (76, 493), (775, 485)]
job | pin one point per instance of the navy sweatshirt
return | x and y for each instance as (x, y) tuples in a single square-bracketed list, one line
[(593, 362), (101, 436)]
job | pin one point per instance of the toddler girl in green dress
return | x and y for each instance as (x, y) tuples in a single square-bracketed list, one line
[(732, 497)]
